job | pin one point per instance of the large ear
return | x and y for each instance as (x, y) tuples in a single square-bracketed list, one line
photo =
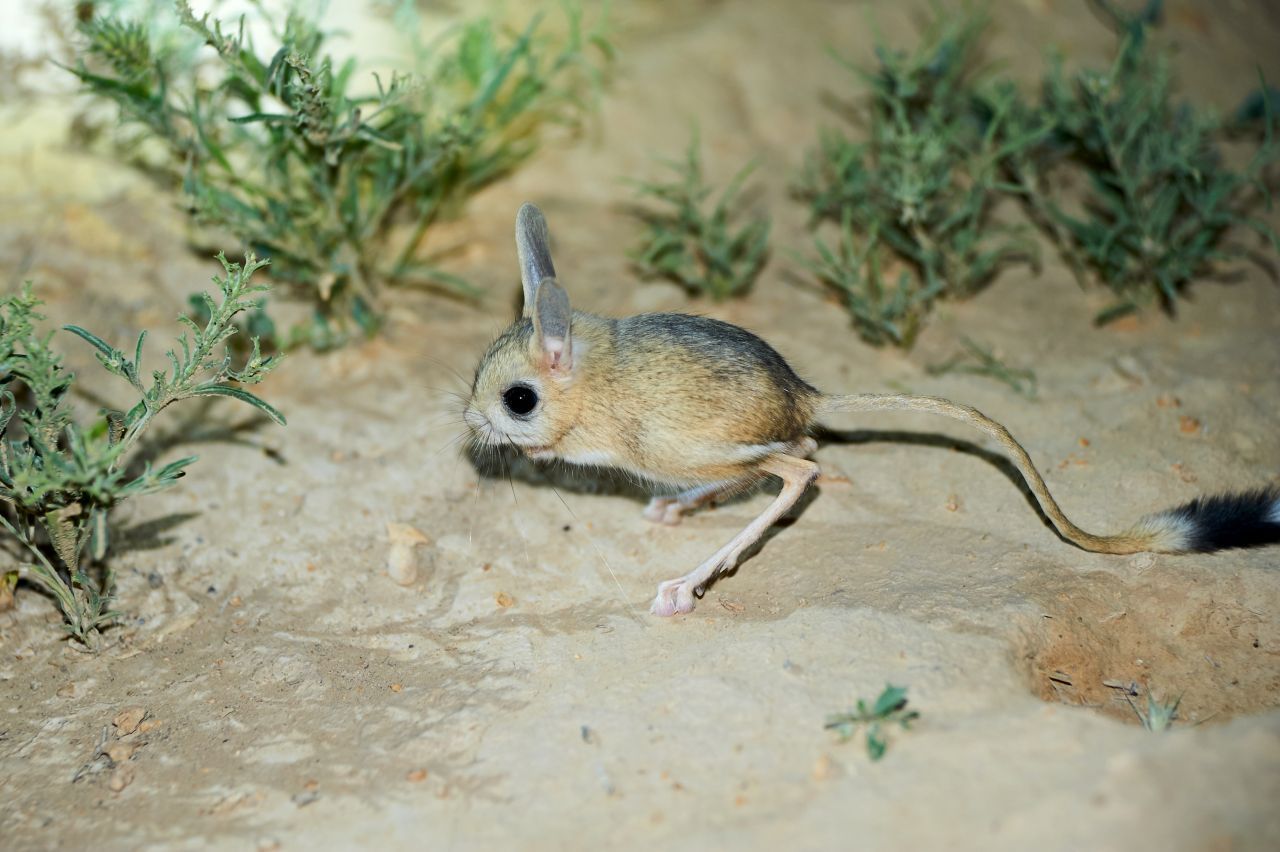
[(552, 317), (533, 246)]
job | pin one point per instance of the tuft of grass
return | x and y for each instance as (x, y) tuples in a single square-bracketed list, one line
[(978, 360), (920, 188), (336, 176), (695, 241), (911, 202), (890, 708), (1159, 715), (60, 479)]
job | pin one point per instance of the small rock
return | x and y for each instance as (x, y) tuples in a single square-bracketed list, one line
[(416, 776), (504, 600), (127, 720), (148, 725), (824, 768), (120, 778), (397, 687), (1188, 425), (406, 534), (402, 557), (120, 752), (67, 690)]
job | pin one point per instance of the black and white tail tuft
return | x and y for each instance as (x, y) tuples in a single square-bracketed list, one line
[(1223, 521)]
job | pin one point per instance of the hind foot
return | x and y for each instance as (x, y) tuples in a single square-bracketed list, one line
[(664, 510), (674, 596)]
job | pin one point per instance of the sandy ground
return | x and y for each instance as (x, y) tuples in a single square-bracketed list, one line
[(519, 694)]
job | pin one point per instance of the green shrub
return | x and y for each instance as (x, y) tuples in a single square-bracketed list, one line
[(919, 189), (59, 479), (280, 147), (701, 250)]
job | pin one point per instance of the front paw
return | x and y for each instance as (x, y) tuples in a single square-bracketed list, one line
[(674, 596)]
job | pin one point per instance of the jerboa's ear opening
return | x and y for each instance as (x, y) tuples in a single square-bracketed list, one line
[(533, 245), (552, 334)]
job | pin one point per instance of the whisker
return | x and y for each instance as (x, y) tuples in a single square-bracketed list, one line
[(475, 510), (449, 368), (516, 500), (453, 442), (622, 595)]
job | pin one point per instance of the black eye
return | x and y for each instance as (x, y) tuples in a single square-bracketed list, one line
[(519, 399)]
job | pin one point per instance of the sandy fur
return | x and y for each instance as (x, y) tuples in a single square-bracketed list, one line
[(641, 394)]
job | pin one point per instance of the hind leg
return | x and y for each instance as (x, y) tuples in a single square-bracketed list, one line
[(797, 474), (670, 510)]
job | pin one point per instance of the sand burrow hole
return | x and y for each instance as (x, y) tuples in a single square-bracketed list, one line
[(1174, 628)]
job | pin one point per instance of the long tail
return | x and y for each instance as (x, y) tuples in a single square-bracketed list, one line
[(1204, 524)]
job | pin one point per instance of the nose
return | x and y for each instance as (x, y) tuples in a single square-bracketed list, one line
[(473, 418)]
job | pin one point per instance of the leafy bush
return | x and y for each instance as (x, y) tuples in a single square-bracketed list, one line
[(280, 148), (1162, 199), (59, 479), (920, 188), (912, 201)]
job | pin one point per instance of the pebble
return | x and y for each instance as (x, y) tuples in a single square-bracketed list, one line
[(824, 768), (127, 720), (403, 556), (305, 798), (122, 777)]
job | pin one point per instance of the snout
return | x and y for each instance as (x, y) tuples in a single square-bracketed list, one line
[(476, 421)]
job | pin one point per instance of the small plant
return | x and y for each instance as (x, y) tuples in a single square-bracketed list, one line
[(700, 250), (889, 709), (977, 360), (1162, 199), (59, 479), (920, 188), (883, 310), (337, 186), (1159, 716)]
